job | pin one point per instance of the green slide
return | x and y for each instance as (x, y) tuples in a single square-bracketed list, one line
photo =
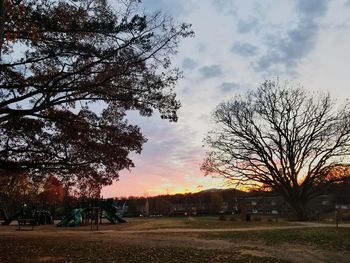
[(8, 220), (111, 214), (73, 219)]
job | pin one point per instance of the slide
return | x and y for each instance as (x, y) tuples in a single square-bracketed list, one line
[(73, 219), (8, 220), (111, 214), (3, 214)]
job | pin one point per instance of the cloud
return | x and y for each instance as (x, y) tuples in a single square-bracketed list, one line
[(211, 71), (170, 159), (204, 117), (166, 141), (226, 87), (244, 49), (287, 50), (248, 25), (202, 47), (224, 6), (234, 8), (344, 25), (173, 7), (166, 158), (187, 90), (189, 63), (312, 8)]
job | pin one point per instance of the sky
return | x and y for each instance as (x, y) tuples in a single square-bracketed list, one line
[(237, 45)]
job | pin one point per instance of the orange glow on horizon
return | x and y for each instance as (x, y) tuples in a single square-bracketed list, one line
[(133, 186)]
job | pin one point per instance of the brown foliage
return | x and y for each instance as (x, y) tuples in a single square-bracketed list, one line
[(53, 191), (82, 66)]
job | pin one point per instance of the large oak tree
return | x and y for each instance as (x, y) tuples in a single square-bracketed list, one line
[(283, 137), (69, 72)]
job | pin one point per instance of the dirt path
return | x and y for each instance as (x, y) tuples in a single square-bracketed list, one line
[(44, 230), (237, 229)]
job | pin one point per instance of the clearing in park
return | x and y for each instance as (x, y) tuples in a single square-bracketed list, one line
[(179, 239)]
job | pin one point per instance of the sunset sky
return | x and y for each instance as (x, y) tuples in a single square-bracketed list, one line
[(237, 45)]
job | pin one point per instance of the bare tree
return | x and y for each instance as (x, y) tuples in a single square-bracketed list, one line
[(279, 136)]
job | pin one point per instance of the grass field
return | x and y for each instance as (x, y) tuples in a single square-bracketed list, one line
[(208, 222), (328, 238), (201, 239), (73, 249)]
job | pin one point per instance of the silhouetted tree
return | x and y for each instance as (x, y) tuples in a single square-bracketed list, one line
[(87, 188), (69, 72), (216, 203), (282, 137), (15, 190), (132, 206), (162, 206), (52, 191)]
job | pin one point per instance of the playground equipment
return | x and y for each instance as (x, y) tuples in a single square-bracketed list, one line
[(73, 219), (92, 211), (38, 217), (112, 214), (8, 219)]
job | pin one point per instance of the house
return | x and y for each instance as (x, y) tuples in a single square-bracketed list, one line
[(262, 203)]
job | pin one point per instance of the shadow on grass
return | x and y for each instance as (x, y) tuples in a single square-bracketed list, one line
[(329, 238)]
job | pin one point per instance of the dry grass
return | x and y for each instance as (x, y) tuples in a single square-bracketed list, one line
[(135, 242), (208, 222)]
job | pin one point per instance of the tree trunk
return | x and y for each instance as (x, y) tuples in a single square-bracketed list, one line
[(2, 25), (299, 207)]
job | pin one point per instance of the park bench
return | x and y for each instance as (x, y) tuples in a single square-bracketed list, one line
[(23, 222)]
